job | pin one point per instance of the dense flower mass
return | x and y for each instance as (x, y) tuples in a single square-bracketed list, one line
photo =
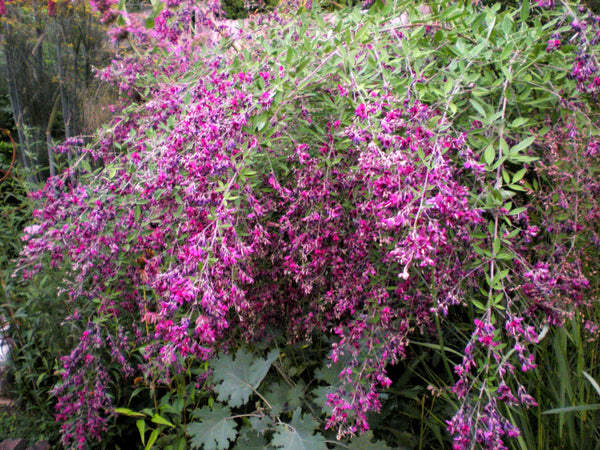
[(245, 192)]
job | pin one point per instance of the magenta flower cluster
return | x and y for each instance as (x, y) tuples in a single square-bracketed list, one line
[(210, 223)]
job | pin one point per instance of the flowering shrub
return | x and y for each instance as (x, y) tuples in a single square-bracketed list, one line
[(354, 180)]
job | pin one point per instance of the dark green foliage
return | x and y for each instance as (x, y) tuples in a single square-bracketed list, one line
[(37, 340), (241, 9), (35, 334), (14, 206), (234, 9), (16, 423), (6, 119), (568, 411)]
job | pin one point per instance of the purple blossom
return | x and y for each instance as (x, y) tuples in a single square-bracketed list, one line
[(199, 233), (553, 44)]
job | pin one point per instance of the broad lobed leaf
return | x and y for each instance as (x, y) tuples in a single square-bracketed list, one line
[(215, 429), (299, 434), (236, 379)]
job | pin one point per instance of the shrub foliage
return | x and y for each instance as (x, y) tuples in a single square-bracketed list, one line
[(281, 219)]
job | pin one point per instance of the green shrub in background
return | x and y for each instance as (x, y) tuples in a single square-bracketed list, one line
[(241, 9), (15, 424), (566, 387), (15, 209), (35, 334)]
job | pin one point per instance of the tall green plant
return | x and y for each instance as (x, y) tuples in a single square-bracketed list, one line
[(34, 333), (568, 415)]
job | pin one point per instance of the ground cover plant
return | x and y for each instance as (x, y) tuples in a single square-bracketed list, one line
[(319, 218)]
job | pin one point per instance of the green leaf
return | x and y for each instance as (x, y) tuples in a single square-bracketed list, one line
[(141, 426), (299, 434), (363, 442), (507, 25), (479, 305), (295, 395), (261, 120), (489, 154), (156, 418), (523, 158), (503, 145), (591, 407), (276, 396), (235, 380), (215, 430), (524, 10), (522, 145), (490, 19), (519, 175), (519, 122), (128, 412), (478, 106), (180, 443), (153, 438), (261, 424), (592, 381), (505, 255), (507, 51), (477, 49), (496, 246), (250, 440)]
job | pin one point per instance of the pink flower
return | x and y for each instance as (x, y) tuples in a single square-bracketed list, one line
[(342, 90), (361, 111), (553, 44)]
